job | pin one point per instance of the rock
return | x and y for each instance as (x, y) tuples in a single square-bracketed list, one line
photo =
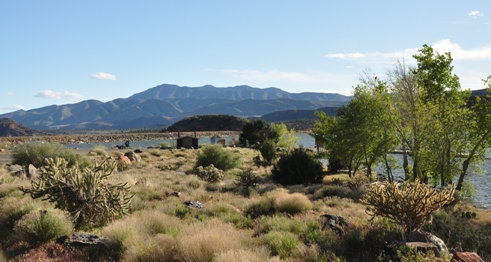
[(139, 151), (125, 160), (31, 171), (336, 223), (17, 171), (421, 236), (176, 194), (82, 240), (193, 204), (2, 150), (133, 156), (466, 257)]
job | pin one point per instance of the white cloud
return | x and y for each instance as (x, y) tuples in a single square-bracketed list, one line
[(13, 108), (475, 14), (10, 93), (57, 95), (104, 76), (441, 46)]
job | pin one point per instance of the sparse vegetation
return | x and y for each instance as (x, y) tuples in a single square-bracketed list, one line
[(270, 223)]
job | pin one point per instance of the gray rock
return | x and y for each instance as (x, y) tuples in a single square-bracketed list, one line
[(421, 236), (336, 223), (17, 171), (193, 204), (81, 240)]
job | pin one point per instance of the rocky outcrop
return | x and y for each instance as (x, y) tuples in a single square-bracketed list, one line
[(82, 240)]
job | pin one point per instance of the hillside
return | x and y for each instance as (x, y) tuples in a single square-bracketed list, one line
[(290, 115), (9, 127), (208, 123), (166, 104)]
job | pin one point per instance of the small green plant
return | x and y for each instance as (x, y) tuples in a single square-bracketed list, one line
[(247, 180), (268, 152), (37, 153), (217, 156), (297, 167), (281, 244), (86, 193), (41, 226), (209, 173)]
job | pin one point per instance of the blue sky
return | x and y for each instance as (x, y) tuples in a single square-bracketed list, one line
[(58, 52)]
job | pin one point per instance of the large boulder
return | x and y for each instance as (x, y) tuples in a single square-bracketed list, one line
[(31, 171), (466, 257), (421, 236), (81, 239), (134, 157)]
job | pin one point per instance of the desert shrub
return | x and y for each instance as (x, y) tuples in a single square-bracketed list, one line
[(41, 226), (268, 152), (218, 156), (161, 247), (194, 182), (292, 203), (358, 185), (410, 205), (12, 209), (297, 167), (86, 194), (202, 241), (332, 190), (459, 230), (246, 180), (37, 153), (279, 201), (281, 243), (209, 173), (99, 150)]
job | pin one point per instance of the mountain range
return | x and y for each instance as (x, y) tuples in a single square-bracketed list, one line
[(165, 104)]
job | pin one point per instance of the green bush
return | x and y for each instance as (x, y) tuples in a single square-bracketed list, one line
[(281, 244), (297, 167), (268, 152), (247, 180), (217, 156), (86, 194), (41, 226), (37, 153), (209, 173)]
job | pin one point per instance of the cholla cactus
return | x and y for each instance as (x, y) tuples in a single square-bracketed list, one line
[(210, 173), (86, 193), (410, 204)]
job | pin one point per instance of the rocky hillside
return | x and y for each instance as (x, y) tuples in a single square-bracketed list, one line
[(9, 127), (208, 123)]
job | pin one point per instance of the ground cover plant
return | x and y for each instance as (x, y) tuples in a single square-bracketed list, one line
[(271, 222)]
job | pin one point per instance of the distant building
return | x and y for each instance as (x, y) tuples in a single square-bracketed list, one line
[(187, 142)]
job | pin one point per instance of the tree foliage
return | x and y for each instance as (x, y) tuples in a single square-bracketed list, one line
[(85, 193), (254, 134)]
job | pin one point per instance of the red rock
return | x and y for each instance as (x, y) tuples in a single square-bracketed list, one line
[(466, 257), (124, 160)]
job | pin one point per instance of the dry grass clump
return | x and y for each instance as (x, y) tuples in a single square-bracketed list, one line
[(202, 241), (260, 254), (13, 208), (281, 243), (280, 200), (41, 226)]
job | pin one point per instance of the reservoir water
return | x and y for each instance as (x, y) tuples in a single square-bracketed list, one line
[(481, 182)]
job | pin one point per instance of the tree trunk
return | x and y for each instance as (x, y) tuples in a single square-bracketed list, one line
[(388, 169), (405, 163), (467, 162)]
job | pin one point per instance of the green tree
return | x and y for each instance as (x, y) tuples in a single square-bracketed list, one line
[(287, 139), (254, 134), (363, 132)]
